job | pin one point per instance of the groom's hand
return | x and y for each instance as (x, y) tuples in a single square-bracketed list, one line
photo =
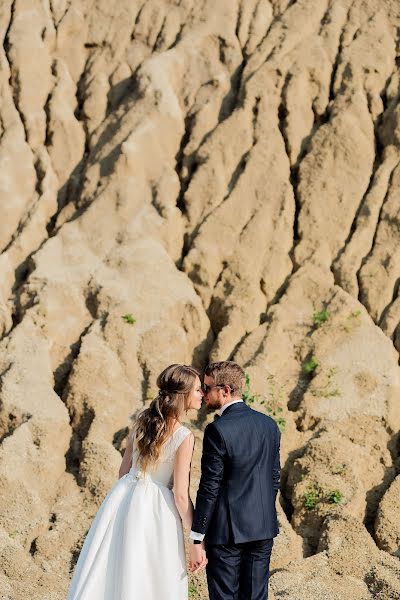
[(197, 557)]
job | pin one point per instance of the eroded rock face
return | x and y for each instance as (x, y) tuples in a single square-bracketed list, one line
[(190, 181), (333, 477), (379, 570), (386, 526)]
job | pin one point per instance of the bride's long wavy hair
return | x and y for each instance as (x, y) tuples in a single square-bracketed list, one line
[(155, 424)]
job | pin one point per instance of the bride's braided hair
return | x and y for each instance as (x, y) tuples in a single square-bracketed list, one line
[(155, 424)]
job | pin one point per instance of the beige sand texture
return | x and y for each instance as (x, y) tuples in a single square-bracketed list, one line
[(227, 173)]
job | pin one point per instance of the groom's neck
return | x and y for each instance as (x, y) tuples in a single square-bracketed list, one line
[(231, 399)]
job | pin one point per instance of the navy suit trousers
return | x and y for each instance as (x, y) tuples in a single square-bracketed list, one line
[(239, 571)]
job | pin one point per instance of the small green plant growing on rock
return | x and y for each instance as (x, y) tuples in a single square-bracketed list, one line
[(311, 497), (335, 497), (320, 316), (129, 318), (280, 421), (310, 365), (271, 404), (275, 398), (247, 396)]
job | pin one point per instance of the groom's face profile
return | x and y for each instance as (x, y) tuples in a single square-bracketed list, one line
[(213, 395)]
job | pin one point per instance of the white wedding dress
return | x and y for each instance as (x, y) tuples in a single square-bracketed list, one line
[(134, 549)]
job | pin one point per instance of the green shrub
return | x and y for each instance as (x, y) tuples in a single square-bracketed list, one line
[(311, 497), (320, 317), (310, 365), (128, 318), (335, 497)]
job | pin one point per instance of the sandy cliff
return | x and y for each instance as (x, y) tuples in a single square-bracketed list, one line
[(228, 174)]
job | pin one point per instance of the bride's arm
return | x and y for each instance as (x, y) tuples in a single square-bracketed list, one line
[(127, 459), (183, 458)]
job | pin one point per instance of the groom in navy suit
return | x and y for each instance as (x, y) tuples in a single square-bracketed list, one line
[(235, 518)]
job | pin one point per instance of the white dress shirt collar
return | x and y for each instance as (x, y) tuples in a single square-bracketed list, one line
[(221, 410)]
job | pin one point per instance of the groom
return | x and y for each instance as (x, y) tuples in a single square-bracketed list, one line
[(235, 518)]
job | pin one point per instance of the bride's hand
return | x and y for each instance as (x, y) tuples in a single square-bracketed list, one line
[(197, 557)]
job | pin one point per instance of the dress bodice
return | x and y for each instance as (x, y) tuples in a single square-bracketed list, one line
[(163, 472)]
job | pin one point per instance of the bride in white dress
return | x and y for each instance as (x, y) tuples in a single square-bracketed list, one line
[(134, 549)]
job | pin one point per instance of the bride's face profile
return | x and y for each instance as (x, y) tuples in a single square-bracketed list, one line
[(196, 396)]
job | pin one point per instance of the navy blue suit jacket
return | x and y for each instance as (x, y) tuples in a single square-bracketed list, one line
[(240, 478)]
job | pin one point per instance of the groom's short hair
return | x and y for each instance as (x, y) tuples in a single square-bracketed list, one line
[(227, 372)]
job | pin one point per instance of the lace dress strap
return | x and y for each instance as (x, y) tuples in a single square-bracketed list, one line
[(179, 435), (171, 445)]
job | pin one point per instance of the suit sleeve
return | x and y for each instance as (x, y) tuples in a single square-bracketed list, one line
[(276, 469), (212, 471)]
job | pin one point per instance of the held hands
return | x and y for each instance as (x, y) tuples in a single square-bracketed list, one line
[(197, 557)]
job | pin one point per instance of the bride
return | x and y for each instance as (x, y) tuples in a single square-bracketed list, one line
[(134, 549)]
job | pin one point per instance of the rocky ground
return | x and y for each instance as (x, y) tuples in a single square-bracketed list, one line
[(225, 175)]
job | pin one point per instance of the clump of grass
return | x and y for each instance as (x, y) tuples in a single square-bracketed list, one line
[(129, 318), (335, 497), (320, 316), (311, 496), (310, 365), (314, 495), (192, 590)]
